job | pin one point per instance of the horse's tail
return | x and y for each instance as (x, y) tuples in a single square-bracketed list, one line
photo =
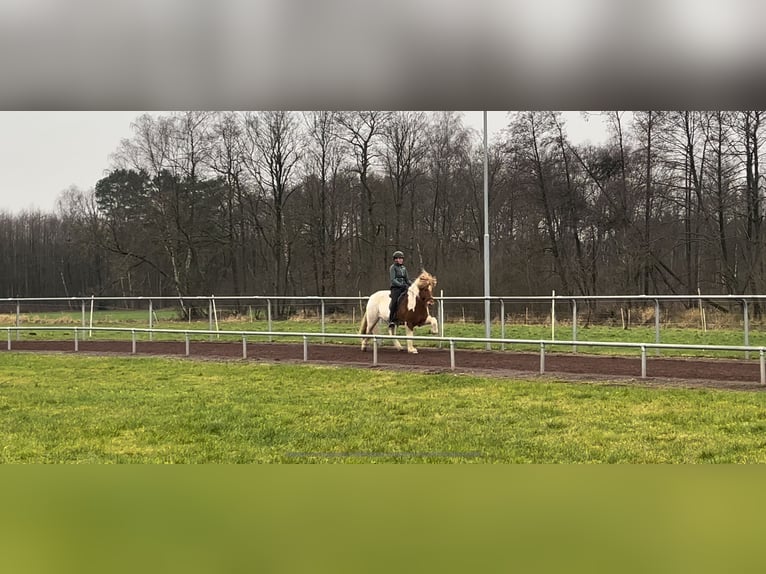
[(363, 326)]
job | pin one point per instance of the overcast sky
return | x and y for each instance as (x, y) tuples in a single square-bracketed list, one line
[(45, 153)]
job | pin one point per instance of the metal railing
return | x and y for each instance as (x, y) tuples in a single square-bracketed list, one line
[(376, 339), (552, 304)]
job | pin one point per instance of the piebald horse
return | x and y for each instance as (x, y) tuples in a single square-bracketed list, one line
[(412, 310)]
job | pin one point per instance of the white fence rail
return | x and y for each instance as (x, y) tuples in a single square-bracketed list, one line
[(550, 310), (376, 339)]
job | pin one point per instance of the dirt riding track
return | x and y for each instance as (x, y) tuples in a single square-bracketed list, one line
[(697, 373)]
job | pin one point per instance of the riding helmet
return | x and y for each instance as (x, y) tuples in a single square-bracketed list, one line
[(398, 254)]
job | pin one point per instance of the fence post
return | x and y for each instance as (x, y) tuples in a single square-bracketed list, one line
[(441, 315), (92, 301), (151, 321), (452, 354), (76, 342), (18, 319), (502, 323), (643, 361), (133, 341), (574, 324), (487, 324), (375, 351), (323, 339), (244, 346), (9, 338), (210, 317), (747, 327), (305, 348), (553, 315), (657, 325), (542, 357), (186, 335), (763, 368), (268, 315), (215, 316)]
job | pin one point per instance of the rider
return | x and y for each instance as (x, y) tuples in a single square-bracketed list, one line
[(399, 283)]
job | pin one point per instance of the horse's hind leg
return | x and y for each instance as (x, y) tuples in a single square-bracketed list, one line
[(397, 344), (367, 330)]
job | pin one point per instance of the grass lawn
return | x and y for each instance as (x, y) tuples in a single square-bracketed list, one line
[(66, 409)]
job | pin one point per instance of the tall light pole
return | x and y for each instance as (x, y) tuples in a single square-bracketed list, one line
[(487, 324)]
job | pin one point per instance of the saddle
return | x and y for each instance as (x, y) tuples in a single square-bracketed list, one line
[(395, 304)]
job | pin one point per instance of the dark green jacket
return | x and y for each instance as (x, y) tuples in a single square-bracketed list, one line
[(398, 275)]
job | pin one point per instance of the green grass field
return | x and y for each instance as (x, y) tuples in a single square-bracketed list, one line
[(68, 409)]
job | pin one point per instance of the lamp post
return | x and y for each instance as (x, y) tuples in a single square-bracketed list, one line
[(487, 324)]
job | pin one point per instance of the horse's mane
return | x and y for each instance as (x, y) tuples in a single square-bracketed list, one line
[(424, 281)]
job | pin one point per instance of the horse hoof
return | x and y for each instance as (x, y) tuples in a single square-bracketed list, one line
[(414, 352)]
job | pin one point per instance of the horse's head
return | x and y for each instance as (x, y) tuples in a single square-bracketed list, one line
[(421, 289), (426, 281), (426, 284)]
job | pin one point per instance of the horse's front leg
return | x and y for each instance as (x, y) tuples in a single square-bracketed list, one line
[(397, 344), (410, 347)]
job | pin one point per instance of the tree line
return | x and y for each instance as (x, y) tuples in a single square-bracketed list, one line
[(313, 203)]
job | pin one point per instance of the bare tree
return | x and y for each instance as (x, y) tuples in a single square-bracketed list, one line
[(533, 136), (747, 127), (274, 146), (361, 131), (442, 200), (325, 158), (403, 152), (174, 204), (646, 125), (84, 265), (225, 161)]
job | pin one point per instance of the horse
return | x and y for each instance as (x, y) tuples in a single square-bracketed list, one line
[(412, 310)]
